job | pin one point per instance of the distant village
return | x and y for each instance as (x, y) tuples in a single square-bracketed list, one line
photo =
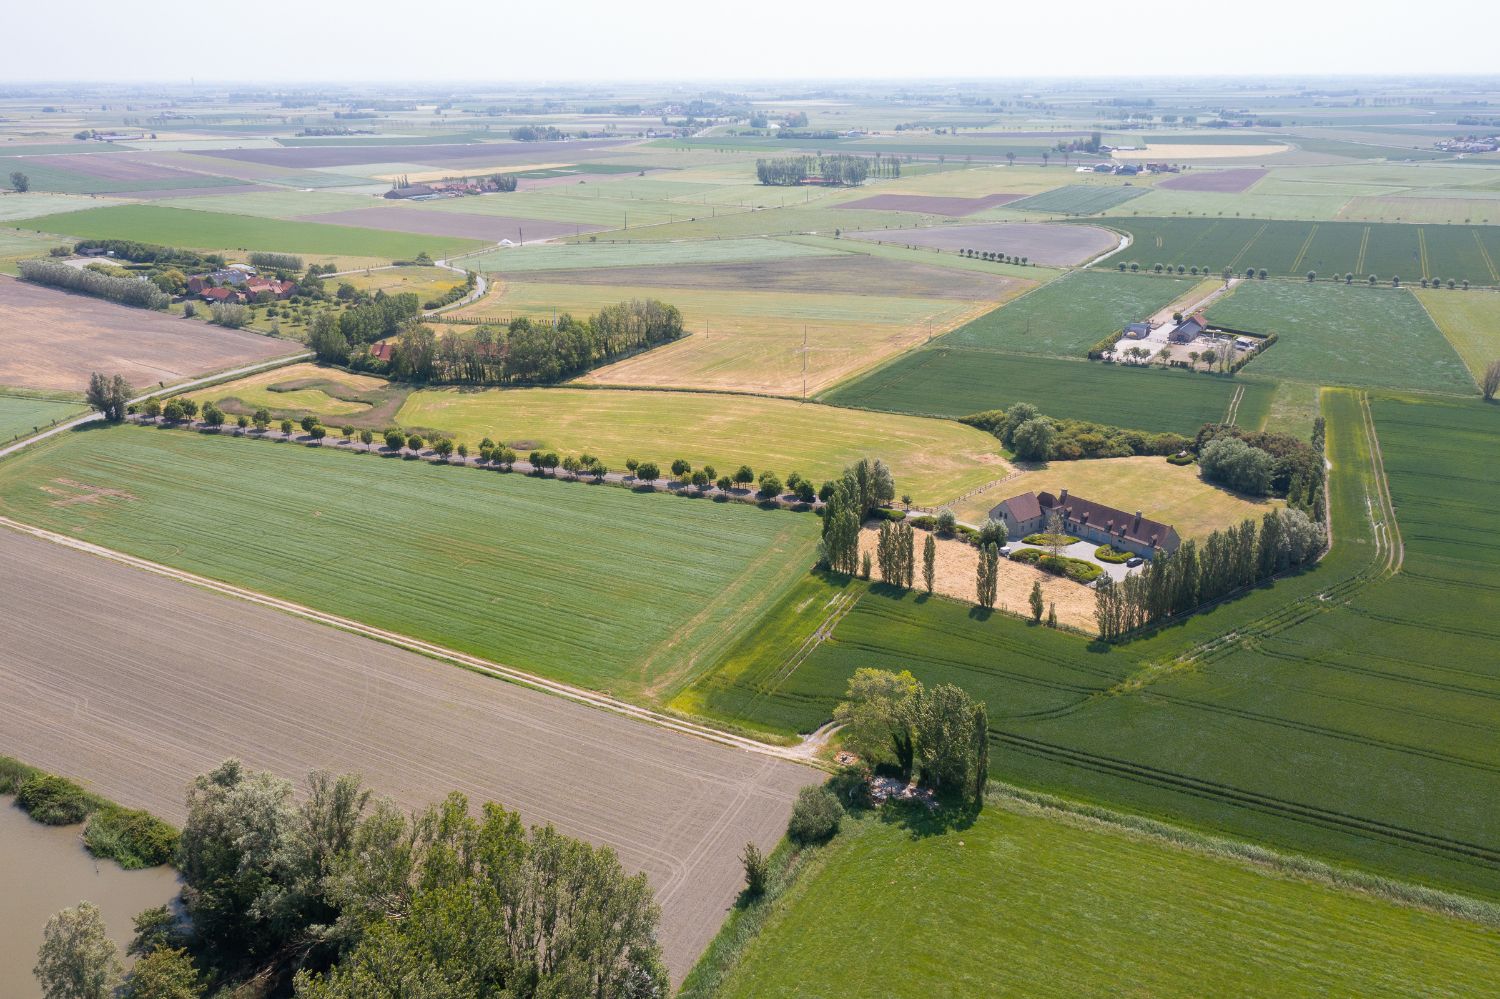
[(1470, 144), (451, 187)]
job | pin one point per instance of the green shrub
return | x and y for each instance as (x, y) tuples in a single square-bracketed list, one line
[(1047, 539), (13, 773), (1181, 459), (130, 837), (882, 513), (926, 522), (54, 801), (1111, 554), (964, 532), (1027, 555), (815, 816), (1075, 569)]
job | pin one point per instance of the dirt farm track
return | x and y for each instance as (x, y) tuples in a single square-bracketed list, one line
[(134, 682)]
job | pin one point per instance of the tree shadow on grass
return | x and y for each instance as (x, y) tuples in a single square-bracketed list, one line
[(951, 815)]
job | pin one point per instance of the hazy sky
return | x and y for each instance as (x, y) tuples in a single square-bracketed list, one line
[(712, 39)]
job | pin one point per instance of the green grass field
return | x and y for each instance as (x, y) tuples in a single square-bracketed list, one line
[(1025, 902), (593, 585), (47, 177), (1470, 321), (1410, 252), (955, 382), (1078, 199), (1351, 718), (272, 204), (1067, 317), (933, 460), (218, 231), (21, 413), (611, 254), (1332, 334)]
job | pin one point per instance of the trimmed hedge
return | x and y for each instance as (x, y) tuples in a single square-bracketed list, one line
[(1075, 569), (926, 522), (1181, 459), (884, 513), (1046, 539), (1111, 554), (1027, 555)]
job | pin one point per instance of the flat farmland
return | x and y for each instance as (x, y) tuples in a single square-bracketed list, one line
[(605, 206), (309, 157), (954, 382), (786, 675), (424, 282), (1042, 244), (33, 203), (273, 204), (1063, 906), (1079, 199), (1068, 316), (125, 173), (1231, 181), (1470, 321), (489, 564), (298, 390), (1171, 494), (746, 340), (489, 228), (1332, 334), (576, 256), (1410, 252), (53, 340), (21, 413), (215, 230), (931, 459), (931, 204), (292, 696)]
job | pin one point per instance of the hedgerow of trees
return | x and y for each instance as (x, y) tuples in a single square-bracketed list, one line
[(1231, 559), (1070, 440), (863, 488), (277, 261), (838, 170), (122, 290)]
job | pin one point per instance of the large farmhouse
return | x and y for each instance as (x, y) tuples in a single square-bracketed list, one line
[(1028, 514)]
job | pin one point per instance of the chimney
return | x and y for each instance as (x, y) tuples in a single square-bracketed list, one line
[(1137, 521), (1064, 497)]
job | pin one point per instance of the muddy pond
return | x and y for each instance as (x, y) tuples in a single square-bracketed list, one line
[(46, 868)]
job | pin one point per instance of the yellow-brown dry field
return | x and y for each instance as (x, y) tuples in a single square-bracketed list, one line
[(1172, 494), (954, 576)]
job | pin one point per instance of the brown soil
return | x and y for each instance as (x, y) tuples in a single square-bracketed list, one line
[(193, 677), (1218, 181), (53, 340), (1039, 242), (955, 571)]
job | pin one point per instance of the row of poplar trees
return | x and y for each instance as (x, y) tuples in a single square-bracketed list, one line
[(863, 488), (1231, 559)]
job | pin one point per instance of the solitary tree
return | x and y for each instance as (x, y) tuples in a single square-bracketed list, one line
[(20, 182), (929, 546), (109, 395), (988, 574), (77, 959), (756, 870), (1491, 381), (1036, 600)]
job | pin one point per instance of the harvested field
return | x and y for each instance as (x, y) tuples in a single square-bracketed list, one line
[(955, 571), (1040, 243), (300, 390), (1218, 181), (931, 459), (53, 340), (577, 256), (1171, 494), (305, 157), (193, 677), (121, 174), (931, 204), (491, 228), (748, 340), (846, 273)]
